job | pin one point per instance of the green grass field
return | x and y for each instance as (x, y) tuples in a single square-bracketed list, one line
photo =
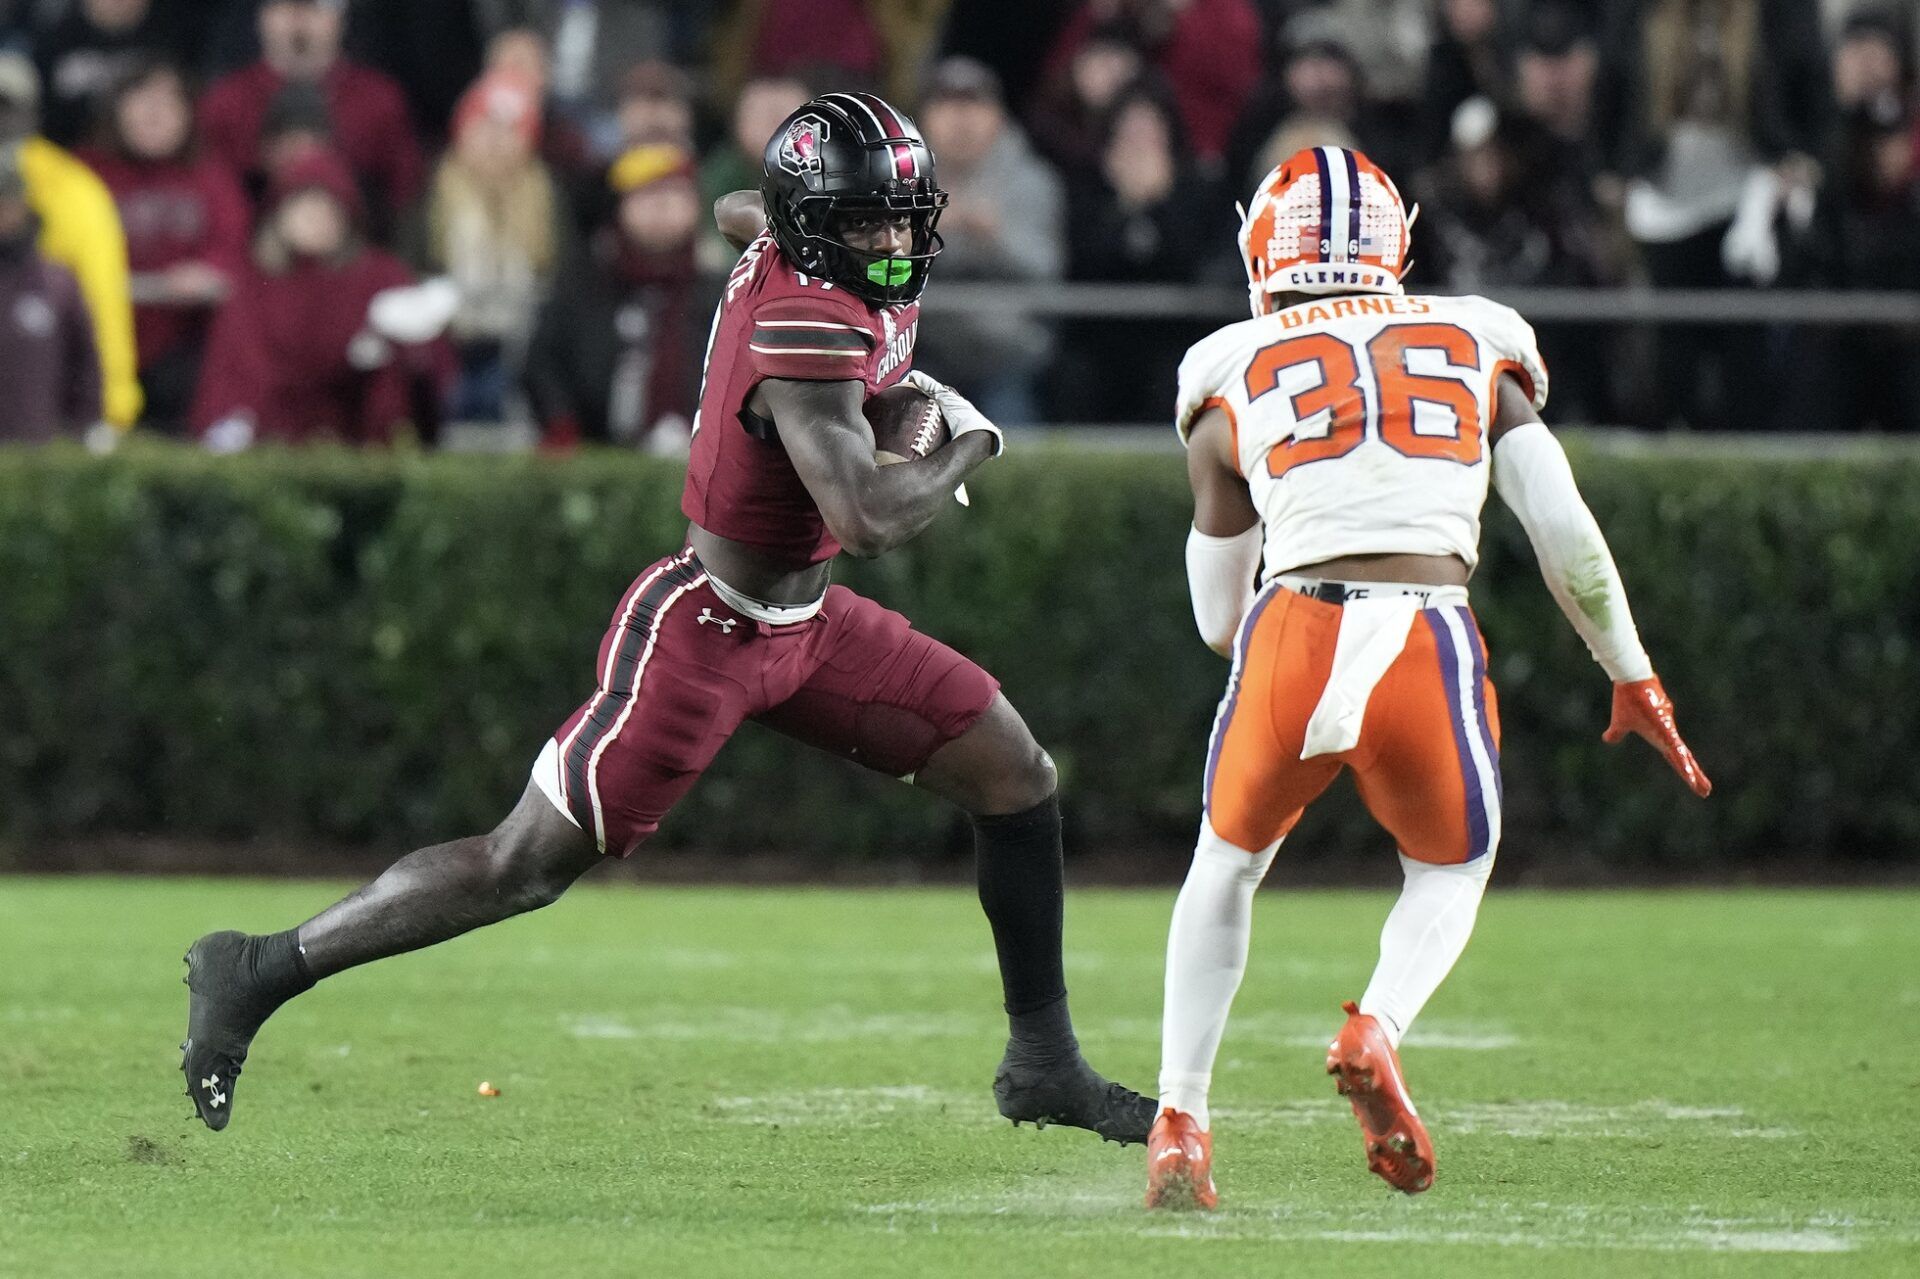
[(794, 1082)]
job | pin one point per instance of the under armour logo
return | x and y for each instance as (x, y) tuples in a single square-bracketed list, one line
[(726, 624), (211, 1083)]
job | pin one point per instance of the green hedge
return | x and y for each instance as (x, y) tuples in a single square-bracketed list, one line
[(370, 649)]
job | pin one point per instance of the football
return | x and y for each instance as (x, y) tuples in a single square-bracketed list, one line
[(906, 424)]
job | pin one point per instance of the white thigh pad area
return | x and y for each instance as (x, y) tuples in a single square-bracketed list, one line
[(546, 775)]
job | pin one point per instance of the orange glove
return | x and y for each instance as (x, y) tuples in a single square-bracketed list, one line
[(1642, 707)]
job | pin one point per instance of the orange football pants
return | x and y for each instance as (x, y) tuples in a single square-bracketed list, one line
[(1428, 758)]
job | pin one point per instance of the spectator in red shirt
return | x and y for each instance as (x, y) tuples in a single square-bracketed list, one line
[(49, 373), (187, 225), (300, 44), (293, 356), (1209, 52)]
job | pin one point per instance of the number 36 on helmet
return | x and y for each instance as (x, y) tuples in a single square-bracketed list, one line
[(1327, 220)]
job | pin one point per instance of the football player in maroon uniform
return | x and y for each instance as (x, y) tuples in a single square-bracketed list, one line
[(743, 623)]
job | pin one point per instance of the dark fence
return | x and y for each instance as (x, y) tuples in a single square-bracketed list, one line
[(1717, 308), (1716, 361), (370, 649)]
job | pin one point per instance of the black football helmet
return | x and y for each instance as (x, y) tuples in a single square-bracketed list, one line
[(848, 155)]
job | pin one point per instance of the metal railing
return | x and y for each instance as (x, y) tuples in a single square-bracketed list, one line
[(1627, 306), (1223, 303)]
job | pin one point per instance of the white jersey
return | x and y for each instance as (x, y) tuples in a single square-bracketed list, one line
[(1360, 422)]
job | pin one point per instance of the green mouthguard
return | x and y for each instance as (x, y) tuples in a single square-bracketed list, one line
[(890, 271)]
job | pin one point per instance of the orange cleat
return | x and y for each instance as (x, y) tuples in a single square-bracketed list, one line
[(1179, 1163), (1367, 1073)]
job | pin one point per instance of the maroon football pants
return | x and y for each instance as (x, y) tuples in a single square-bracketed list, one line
[(679, 671)]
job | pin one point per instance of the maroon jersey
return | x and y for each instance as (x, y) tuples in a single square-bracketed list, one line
[(775, 322)]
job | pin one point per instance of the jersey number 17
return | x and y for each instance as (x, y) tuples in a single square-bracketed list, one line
[(1334, 413)]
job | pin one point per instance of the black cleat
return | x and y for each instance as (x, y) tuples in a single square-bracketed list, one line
[(224, 1012), (1036, 1087)]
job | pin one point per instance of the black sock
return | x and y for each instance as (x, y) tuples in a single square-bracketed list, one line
[(277, 967), (1047, 1029), (1021, 891)]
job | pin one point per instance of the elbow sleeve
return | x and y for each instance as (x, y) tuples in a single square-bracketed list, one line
[(1531, 474), (1220, 574)]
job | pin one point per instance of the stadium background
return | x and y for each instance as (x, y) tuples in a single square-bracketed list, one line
[(307, 656)]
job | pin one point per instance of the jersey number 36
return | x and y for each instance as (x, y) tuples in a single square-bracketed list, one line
[(1423, 415)]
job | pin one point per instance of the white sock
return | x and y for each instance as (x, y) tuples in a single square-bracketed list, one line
[(1424, 934), (1206, 957)]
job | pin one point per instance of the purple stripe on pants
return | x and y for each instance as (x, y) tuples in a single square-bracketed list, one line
[(1232, 700), (1480, 716), (1450, 659)]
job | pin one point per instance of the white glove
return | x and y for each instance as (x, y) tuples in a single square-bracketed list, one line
[(960, 417), (958, 410), (231, 434), (415, 313), (1751, 250)]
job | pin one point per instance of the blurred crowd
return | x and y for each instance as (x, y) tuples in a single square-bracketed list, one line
[(237, 221)]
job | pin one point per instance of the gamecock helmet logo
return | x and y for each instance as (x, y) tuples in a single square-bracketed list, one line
[(800, 149)]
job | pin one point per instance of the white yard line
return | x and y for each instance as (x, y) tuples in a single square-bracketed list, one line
[(840, 1107), (1298, 1030), (826, 1025), (1524, 1119), (1373, 1219), (942, 964)]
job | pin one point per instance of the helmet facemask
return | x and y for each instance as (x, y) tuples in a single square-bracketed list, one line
[(884, 279)]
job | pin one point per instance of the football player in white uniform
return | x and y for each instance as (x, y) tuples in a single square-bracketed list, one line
[(1344, 439)]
